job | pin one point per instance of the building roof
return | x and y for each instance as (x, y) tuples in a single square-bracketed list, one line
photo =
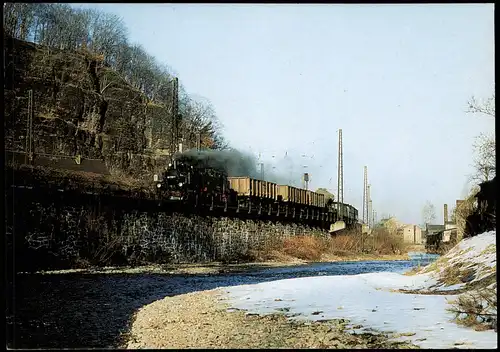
[(435, 228), (403, 226)]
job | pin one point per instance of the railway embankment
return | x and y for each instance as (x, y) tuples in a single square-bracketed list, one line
[(62, 227), (61, 219)]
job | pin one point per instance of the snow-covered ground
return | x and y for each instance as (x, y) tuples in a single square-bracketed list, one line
[(370, 299)]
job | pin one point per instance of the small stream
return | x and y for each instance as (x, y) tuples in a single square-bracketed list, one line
[(81, 310)]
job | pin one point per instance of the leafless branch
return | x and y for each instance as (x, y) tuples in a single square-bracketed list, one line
[(486, 107)]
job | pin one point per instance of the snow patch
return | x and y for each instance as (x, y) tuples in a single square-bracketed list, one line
[(477, 253), (371, 300)]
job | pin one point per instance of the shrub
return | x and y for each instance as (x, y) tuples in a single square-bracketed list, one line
[(304, 247), (340, 244), (387, 242), (477, 309), (309, 247)]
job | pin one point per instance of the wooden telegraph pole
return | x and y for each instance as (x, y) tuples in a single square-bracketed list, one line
[(29, 130), (175, 116)]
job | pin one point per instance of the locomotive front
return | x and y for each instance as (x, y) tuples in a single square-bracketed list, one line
[(175, 182), (193, 181)]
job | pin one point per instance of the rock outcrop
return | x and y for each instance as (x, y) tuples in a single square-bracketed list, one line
[(81, 108)]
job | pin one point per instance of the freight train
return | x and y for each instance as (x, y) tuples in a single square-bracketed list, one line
[(196, 182)]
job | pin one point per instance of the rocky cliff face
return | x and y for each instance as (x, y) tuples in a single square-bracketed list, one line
[(81, 107)]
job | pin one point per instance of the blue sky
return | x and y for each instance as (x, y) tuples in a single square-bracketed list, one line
[(285, 78)]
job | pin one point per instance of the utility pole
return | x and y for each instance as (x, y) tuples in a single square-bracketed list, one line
[(175, 115), (373, 233), (340, 175), (368, 206), (371, 215), (29, 129), (365, 197)]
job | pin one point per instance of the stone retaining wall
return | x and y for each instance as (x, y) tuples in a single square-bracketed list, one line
[(66, 229)]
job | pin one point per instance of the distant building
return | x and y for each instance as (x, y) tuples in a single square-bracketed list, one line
[(446, 232), (411, 234), (450, 232), (450, 227), (432, 229), (433, 235)]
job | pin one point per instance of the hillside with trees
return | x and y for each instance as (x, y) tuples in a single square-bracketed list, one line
[(92, 94)]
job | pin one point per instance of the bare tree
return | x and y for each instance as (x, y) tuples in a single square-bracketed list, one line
[(59, 26), (138, 63), (486, 107), (107, 32), (484, 159), (18, 19), (55, 23), (199, 121), (428, 213), (109, 79), (484, 146)]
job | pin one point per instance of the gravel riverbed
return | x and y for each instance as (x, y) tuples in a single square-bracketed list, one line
[(96, 309)]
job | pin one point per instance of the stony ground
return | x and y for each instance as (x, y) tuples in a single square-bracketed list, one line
[(201, 320), (93, 308)]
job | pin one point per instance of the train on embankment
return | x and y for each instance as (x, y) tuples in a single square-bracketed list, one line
[(195, 183)]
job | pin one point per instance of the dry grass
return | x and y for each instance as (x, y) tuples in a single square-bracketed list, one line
[(350, 245), (49, 115), (413, 271), (476, 309), (443, 248), (345, 243), (454, 274), (304, 247), (387, 242)]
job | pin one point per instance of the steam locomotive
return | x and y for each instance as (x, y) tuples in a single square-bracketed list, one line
[(197, 182), (193, 181)]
